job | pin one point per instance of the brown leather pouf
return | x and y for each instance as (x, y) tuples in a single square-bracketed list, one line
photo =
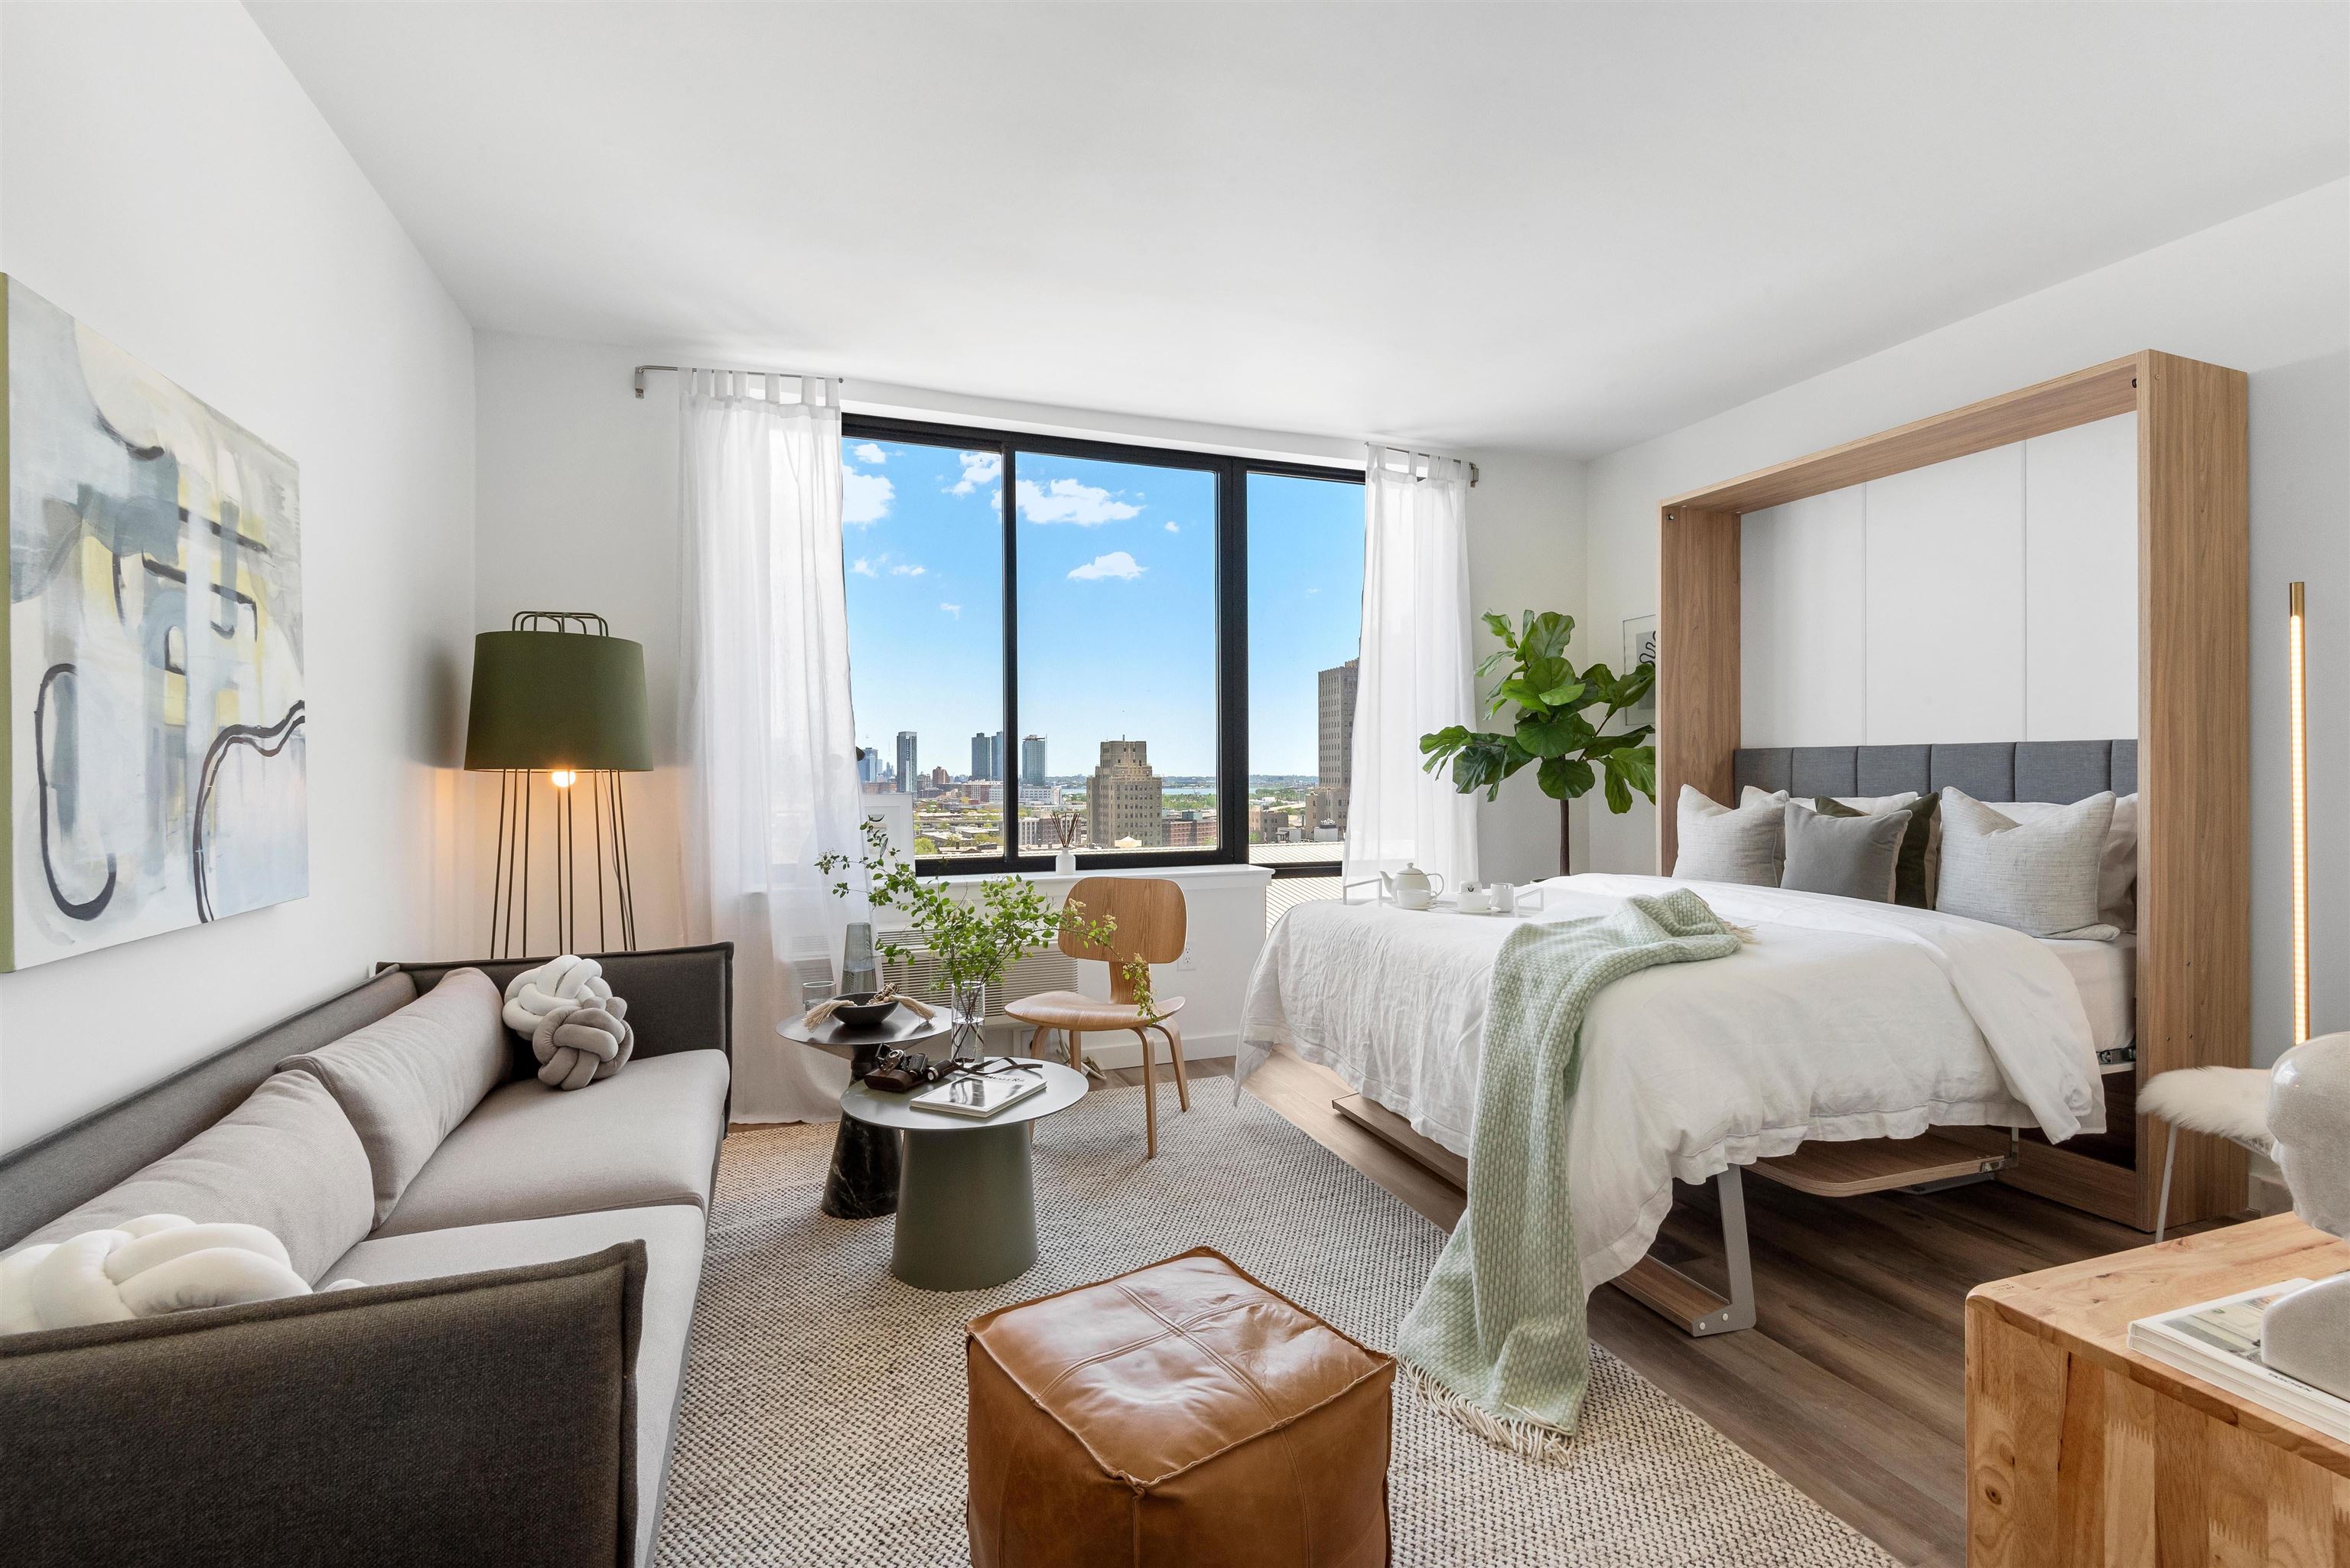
[(1179, 1417)]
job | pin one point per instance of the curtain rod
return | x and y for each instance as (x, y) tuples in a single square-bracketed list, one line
[(795, 375), (808, 375)]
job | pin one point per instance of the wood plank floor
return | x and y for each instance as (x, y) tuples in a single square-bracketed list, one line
[(1852, 1383)]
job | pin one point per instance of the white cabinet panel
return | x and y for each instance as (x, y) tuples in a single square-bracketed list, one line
[(2080, 552), (1945, 601), (1803, 622)]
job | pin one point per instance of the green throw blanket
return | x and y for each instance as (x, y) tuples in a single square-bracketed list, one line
[(1498, 1335)]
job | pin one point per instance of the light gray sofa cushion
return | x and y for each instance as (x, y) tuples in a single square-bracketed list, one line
[(673, 1235), (2040, 876), (648, 1136), (406, 1081), (1719, 844), (1850, 857), (287, 1159)]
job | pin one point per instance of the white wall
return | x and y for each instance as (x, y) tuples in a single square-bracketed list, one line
[(1526, 553), (2266, 294), (168, 184), (577, 503), (2025, 558)]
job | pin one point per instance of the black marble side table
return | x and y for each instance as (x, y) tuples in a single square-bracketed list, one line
[(863, 1181)]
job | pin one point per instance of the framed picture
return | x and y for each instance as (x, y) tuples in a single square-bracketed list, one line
[(156, 774), (1640, 648)]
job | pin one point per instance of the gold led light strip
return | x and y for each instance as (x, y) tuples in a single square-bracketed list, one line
[(2298, 667)]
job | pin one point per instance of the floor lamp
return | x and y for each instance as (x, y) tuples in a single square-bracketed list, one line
[(558, 697), (2297, 677)]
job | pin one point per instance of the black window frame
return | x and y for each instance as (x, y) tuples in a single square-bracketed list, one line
[(1231, 473)]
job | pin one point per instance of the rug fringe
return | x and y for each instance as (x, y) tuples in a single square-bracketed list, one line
[(1528, 1439)]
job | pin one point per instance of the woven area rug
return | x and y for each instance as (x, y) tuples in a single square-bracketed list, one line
[(823, 1421)]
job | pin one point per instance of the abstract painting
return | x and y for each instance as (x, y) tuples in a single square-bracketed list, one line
[(155, 767)]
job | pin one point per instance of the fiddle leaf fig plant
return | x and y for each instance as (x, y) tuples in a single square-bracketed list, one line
[(1546, 705)]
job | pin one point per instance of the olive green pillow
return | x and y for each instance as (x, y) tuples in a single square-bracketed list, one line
[(1909, 871)]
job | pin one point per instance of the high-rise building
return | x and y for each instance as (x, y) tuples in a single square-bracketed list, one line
[(1031, 761), (910, 776), (1123, 799), (987, 755), (1337, 705), (939, 779), (868, 763)]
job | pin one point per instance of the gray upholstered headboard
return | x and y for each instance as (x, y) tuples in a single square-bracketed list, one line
[(2059, 771)]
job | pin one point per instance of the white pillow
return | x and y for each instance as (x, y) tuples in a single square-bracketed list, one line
[(146, 1267), (2116, 863), (1867, 804), (1719, 844), (2040, 878)]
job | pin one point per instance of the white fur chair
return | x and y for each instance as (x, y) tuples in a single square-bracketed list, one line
[(2231, 1103)]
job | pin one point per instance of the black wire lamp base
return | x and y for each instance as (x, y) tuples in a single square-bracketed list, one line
[(602, 858), (558, 697)]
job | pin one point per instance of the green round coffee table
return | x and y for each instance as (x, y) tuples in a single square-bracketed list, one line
[(966, 1196)]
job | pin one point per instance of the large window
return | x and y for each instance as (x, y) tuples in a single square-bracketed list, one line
[(1143, 653)]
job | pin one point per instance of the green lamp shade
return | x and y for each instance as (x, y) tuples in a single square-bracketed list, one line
[(547, 700)]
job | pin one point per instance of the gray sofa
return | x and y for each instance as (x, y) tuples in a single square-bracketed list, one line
[(503, 1387)]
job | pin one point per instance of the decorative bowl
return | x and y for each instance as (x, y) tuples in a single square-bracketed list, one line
[(861, 1012)]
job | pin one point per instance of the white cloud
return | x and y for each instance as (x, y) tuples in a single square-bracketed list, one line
[(1117, 563), (954, 611), (867, 451), (861, 566), (978, 468), (1311, 592), (1067, 501), (906, 569), (865, 497), (1172, 528)]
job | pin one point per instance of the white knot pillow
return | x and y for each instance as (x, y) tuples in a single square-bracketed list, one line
[(578, 1029), (145, 1267)]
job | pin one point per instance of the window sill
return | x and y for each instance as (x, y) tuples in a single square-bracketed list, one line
[(1221, 874)]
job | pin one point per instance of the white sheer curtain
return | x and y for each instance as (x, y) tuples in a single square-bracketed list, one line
[(1416, 674), (769, 743)]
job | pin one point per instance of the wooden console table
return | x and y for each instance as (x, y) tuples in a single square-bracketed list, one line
[(2081, 1451)]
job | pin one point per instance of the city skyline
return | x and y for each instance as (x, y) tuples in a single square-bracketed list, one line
[(1099, 542)]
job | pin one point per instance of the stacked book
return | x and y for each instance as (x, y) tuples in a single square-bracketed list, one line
[(2220, 1342)]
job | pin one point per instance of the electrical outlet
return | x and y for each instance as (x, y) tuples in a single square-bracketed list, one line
[(1183, 959)]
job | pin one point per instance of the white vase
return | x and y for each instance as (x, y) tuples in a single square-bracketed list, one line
[(1065, 863)]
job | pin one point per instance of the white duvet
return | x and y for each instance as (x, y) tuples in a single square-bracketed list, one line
[(1840, 1020)]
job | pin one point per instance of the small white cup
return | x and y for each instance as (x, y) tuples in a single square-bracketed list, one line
[(1476, 898), (1503, 898)]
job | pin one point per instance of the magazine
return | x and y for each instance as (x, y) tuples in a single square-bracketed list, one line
[(979, 1095), (2220, 1342)]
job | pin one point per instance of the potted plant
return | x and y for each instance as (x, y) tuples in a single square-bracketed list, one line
[(1546, 703), (975, 939)]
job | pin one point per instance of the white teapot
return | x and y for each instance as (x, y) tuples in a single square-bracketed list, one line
[(1411, 887)]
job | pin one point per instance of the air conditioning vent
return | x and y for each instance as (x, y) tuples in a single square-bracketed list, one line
[(1047, 968)]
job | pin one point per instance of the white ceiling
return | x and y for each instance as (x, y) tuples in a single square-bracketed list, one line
[(1558, 226)]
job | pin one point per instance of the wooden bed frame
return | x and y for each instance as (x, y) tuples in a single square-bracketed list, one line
[(2194, 890), (2194, 859)]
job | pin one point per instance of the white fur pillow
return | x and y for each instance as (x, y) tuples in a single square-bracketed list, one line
[(1720, 844), (2040, 878), (146, 1267)]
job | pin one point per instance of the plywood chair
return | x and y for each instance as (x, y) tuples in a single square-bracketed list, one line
[(1148, 912)]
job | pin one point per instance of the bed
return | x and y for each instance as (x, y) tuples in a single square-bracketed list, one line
[(1844, 1023), (1840, 1021)]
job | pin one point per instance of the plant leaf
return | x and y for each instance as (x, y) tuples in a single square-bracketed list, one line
[(1499, 624), (1547, 636), (1566, 778)]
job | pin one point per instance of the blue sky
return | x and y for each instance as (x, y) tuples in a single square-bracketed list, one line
[(1117, 569)]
